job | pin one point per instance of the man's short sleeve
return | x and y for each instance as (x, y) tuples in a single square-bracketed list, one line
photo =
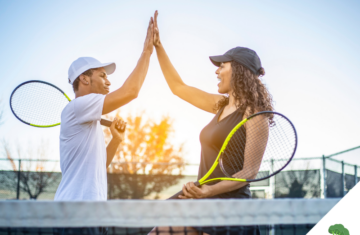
[(89, 108)]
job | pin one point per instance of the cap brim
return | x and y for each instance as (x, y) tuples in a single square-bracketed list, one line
[(109, 67), (218, 59)]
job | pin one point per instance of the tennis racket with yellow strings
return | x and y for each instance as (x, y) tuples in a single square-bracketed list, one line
[(256, 149), (39, 104)]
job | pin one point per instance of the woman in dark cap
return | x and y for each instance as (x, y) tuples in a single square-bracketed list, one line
[(242, 93)]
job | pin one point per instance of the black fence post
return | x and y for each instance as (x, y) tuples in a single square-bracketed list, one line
[(342, 178), (18, 182), (324, 175), (272, 183)]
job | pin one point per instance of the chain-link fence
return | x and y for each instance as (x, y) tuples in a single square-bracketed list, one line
[(320, 177)]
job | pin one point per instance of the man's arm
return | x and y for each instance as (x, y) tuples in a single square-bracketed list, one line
[(133, 83), (111, 150), (117, 129)]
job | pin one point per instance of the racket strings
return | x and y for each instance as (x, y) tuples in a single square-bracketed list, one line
[(259, 132), (38, 103), (264, 146), (233, 155), (280, 146), (240, 138)]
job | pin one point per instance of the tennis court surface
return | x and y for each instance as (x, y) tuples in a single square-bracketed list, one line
[(280, 216)]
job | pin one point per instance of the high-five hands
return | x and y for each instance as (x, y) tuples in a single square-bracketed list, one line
[(149, 40), (156, 30)]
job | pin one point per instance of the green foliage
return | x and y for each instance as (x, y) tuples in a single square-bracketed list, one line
[(338, 229)]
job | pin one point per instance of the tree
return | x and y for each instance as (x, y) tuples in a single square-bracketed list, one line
[(298, 183), (146, 162), (1, 112), (31, 177), (338, 229)]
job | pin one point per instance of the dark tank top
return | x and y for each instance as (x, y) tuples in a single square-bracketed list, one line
[(211, 138)]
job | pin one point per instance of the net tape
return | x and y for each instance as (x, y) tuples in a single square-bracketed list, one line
[(148, 213)]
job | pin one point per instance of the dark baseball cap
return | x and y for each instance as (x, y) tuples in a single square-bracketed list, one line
[(242, 55)]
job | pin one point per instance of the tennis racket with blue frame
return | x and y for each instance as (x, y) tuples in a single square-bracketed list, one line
[(39, 104)]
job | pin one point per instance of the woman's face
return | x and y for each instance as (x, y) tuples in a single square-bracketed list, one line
[(224, 77)]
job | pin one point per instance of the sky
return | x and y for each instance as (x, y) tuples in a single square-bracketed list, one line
[(309, 50)]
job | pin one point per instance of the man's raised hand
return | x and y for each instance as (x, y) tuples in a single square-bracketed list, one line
[(149, 41)]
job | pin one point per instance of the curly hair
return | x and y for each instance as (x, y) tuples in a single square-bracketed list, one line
[(248, 91)]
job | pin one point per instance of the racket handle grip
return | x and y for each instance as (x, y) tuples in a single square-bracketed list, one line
[(176, 196), (108, 123), (105, 122)]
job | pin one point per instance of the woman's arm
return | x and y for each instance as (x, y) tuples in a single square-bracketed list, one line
[(194, 96), (206, 191)]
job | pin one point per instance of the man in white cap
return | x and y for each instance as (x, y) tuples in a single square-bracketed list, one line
[(83, 155)]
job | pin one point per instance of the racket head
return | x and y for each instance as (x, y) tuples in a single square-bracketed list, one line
[(267, 141), (38, 103)]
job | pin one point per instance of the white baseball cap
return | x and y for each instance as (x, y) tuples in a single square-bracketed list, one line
[(85, 63)]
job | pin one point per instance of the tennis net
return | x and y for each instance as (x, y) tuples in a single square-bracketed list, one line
[(280, 216)]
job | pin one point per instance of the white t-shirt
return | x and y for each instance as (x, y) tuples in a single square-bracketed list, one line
[(82, 151)]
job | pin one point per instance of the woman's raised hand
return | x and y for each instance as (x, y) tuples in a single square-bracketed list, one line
[(156, 30)]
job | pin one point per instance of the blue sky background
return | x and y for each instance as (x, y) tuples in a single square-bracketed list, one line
[(310, 52)]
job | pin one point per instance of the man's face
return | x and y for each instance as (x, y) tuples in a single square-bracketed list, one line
[(99, 82)]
